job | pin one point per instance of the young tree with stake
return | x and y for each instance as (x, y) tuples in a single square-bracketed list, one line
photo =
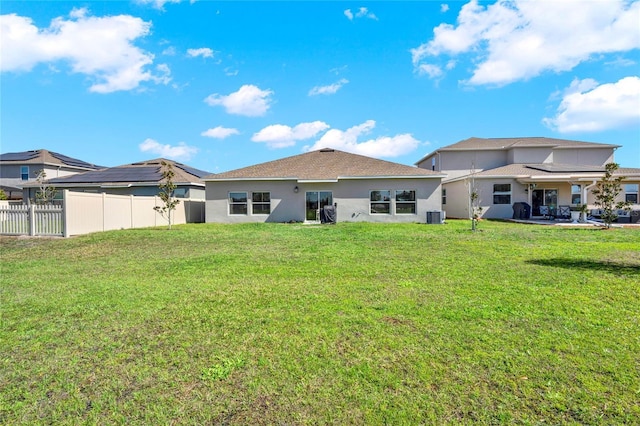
[(167, 187)]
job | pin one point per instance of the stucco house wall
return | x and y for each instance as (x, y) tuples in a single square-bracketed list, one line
[(592, 156), (529, 155), (459, 163), (350, 195), (457, 205), (13, 171)]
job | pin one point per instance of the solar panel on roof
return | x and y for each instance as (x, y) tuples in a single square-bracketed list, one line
[(191, 170), (115, 174), (71, 161), (19, 156)]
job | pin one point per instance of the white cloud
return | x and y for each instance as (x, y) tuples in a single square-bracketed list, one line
[(383, 146), (179, 152), (444, 7), (169, 51), (249, 100), (328, 90), (362, 12), (348, 14), (220, 132), (101, 48), (158, 4), (433, 71), (230, 72), (281, 136), (205, 52), (518, 40), (589, 107)]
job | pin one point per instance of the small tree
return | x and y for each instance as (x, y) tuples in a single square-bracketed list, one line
[(46, 192), (3, 195), (167, 187), (475, 209), (606, 192)]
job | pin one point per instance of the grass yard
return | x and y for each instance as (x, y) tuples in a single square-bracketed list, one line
[(349, 324)]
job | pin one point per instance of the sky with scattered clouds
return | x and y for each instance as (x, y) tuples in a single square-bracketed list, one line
[(223, 85)]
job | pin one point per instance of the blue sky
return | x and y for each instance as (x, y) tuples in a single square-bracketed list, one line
[(223, 85)]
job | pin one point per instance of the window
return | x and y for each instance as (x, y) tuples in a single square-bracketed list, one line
[(444, 196), (405, 201), (237, 203), (261, 203), (24, 172), (380, 202), (576, 194), (631, 193), (502, 193), (180, 192)]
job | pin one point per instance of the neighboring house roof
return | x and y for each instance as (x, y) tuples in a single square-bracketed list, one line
[(482, 144), (142, 173), (43, 156), (324, 165), (549, 171)]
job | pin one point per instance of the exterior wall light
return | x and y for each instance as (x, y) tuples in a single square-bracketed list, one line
[(295, 189)]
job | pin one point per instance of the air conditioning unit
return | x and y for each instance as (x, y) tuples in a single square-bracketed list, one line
[(434, 217)]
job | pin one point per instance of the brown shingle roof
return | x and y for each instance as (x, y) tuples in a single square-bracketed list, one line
[(507, 143), (482, 144), (323, 165)]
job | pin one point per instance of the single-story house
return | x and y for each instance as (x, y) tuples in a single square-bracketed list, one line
[(140, 179), (297, 189), (549, 175), (20, 168)]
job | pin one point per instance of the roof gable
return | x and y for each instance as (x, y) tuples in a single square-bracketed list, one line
[(323, 165)]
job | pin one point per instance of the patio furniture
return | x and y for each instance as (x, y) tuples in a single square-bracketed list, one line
[(545, 211), (564, 212)]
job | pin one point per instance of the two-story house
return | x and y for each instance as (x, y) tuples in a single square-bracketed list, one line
[(545, 173), (20, 168)]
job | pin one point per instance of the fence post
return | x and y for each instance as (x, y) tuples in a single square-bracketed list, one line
[(32, 220), (65, 214)]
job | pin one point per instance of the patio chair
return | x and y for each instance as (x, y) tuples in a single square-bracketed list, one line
[(564, 212), (545, 212)]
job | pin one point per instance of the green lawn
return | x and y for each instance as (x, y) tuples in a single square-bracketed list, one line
[(345, 324)]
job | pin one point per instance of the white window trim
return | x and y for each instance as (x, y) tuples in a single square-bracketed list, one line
[(380, 202), (636, 192), (260, 202), (230, 203), (414, 202), (502, 193), (579, 193)]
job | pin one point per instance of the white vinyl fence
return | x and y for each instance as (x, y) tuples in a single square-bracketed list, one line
[(22, 219), (84, 213)]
